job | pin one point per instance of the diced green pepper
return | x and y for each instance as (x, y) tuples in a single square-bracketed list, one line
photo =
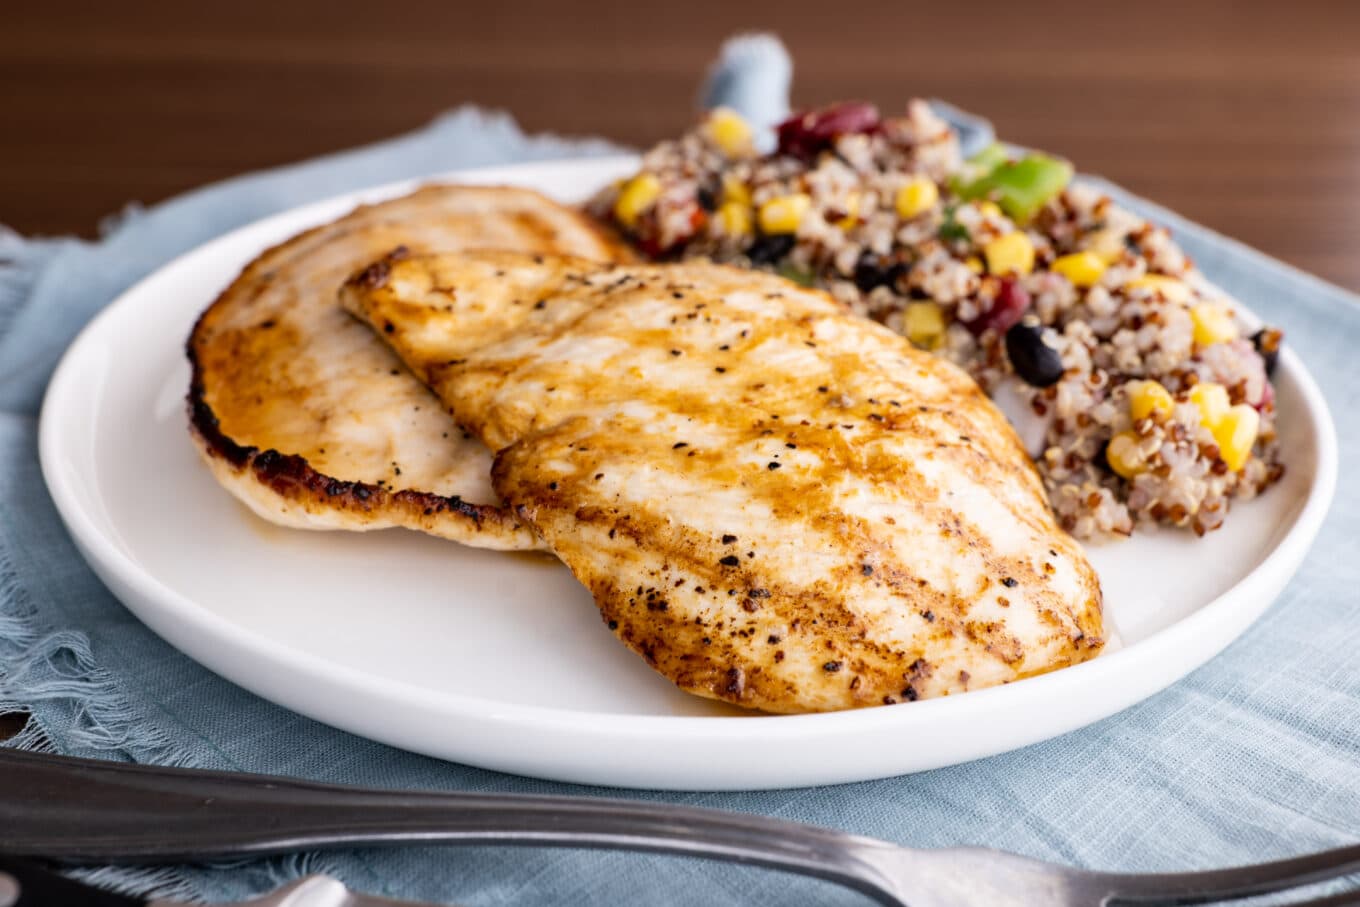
[(798, 275), (1021, 187), (977, 166), (950, 229), (988, 158)]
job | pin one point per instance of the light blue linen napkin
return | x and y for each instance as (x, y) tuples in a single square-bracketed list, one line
[(1255, 755)]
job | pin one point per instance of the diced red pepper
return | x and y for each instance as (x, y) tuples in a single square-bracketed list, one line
[(650, 242)]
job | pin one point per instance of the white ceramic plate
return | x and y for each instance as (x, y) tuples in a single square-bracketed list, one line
[(501, 660)]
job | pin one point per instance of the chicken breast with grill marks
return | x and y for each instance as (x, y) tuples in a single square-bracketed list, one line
[(774, 502), (310, 420)]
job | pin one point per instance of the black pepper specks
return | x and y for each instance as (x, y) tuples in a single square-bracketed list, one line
[(736, 681), (831, 667), (1010, 582), (772, 466), (730, 561), (728, 539), (866, 569)]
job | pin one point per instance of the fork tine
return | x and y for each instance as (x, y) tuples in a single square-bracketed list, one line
[(1243, 881)]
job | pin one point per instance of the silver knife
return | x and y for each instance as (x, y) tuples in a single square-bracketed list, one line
[(24, 883)]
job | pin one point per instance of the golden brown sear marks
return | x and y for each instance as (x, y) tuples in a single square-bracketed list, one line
[(773, 502), (309, 419)]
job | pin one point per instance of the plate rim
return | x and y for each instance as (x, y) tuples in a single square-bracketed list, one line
[(1215, 620)]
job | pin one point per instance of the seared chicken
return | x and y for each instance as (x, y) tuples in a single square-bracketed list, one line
[(774, 502), (310, 420)]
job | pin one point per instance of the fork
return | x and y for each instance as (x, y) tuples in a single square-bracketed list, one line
[(80, 810)]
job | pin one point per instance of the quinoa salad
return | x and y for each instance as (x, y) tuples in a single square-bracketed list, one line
[(1140, 389)]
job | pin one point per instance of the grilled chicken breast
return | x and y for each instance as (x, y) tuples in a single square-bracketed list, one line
[(311, 421), (774, 502)]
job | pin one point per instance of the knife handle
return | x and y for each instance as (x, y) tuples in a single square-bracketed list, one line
[(23, 883)]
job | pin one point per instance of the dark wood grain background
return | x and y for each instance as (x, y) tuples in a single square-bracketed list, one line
[(1242, 115)]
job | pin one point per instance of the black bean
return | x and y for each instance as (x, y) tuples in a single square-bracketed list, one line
[(769, 249), (707, 198), (869, 273), (1267, 342), (1036, 362), (1101, 460), (872, 271)]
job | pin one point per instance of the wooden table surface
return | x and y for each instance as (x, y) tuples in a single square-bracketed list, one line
[(1242, 115)]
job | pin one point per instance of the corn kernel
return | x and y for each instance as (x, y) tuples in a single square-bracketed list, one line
[(1122, 455), (990, 208), (1170, 287), (1213, 324), (729, 131), (636, 196), (923, 323), (735, 218), (917, 197), (734, 190), (1107, 245), (784, 214), (974, 264), (1148, 397), (1212, 400), (1084, 269), (1012, 252), (851, 217), (1235, 434)]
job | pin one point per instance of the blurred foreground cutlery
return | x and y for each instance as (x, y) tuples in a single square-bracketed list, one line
[(79, 810), (24, 883)]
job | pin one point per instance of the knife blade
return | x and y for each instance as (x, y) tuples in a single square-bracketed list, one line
[(26, 883)]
